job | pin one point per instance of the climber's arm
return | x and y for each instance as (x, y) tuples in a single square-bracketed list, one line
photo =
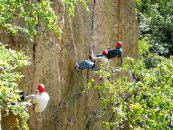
[(29, 97), (93, 58)]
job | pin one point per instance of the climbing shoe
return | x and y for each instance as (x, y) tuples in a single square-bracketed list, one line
[(77, 67), (90, 57), (22, 95)]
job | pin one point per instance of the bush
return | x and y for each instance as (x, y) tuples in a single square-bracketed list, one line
[(10, 64)]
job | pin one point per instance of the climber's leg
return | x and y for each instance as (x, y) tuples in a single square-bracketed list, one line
[(94, 68), (86, 64), (77, 67)]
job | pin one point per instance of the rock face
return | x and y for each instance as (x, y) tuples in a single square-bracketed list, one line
[(53, 62)]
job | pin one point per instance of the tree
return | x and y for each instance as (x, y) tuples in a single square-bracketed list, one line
[(156, 22)]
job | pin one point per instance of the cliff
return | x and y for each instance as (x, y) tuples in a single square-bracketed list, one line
[(53, 62)]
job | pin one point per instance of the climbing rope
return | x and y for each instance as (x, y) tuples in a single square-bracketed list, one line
[(29, 89), (87, 34), (72, 36), (90, 47)]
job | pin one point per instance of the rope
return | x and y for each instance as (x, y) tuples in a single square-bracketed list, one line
[(90, 47), (87, 34), (29, 89), (75, 49)]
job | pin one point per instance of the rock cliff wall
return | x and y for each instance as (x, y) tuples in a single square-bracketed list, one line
[(53, 61)]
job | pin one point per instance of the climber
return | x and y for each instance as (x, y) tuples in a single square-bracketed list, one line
[(94, 63), (39, 99), (114, 52)]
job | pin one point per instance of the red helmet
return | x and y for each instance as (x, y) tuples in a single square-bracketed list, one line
[(105, 52), (119, 44), (40, 88)]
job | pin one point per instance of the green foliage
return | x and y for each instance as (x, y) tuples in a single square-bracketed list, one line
[(145, 102), (156, 22), (20, 16), (143, 47), (10, 63), (24, 16), (149, 59), (71, 5)]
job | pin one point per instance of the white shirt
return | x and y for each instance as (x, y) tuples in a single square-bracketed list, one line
[(100, 60), (41, 101)]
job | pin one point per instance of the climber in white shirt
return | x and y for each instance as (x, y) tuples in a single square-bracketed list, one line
[(39, 99), (95, 63)]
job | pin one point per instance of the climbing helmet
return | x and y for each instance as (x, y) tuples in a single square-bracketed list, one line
[(119, 44), (41, 88), (105, 52)]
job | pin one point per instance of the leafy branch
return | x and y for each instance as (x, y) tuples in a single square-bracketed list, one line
[(10, 62)]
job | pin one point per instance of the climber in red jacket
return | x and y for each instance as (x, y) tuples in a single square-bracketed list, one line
[(39, 99)]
